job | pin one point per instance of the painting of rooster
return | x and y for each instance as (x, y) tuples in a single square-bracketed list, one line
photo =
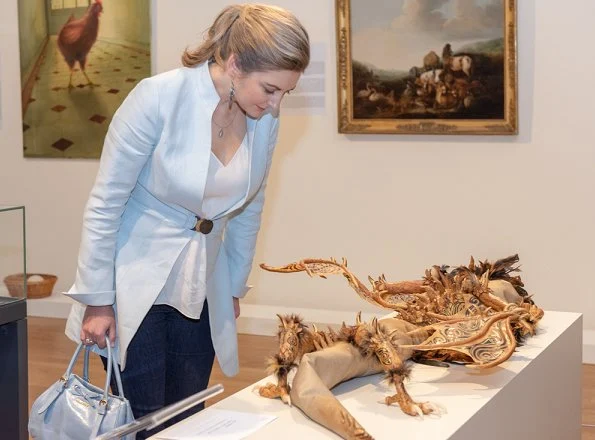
[(77, 37), (79, 61)]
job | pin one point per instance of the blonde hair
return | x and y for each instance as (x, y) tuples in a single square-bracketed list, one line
[(261, 38)]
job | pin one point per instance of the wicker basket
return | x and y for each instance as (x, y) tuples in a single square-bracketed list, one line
[(35, 289)]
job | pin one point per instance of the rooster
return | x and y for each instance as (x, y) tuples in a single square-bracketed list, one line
[(76, 38)]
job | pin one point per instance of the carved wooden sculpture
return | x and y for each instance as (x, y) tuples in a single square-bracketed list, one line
[(473, 314)]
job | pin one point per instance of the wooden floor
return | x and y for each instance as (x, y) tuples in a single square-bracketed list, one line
[(50, 351)]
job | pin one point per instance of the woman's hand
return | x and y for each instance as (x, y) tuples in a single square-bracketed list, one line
[(236, 306), (97, 322)]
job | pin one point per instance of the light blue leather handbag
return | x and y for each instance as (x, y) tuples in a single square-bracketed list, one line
[(74, 409)]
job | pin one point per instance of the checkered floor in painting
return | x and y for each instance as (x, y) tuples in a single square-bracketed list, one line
[(63, 122)]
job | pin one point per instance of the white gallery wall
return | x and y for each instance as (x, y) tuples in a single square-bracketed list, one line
[(389, 204)]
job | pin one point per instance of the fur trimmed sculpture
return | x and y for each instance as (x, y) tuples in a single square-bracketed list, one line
[(473, 315)]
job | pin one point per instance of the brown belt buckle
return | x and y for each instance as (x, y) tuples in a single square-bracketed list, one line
[(203, 225)]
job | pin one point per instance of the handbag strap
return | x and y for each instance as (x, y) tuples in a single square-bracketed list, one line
[(114, 367), (102, 407), (111, 366), (73, 361), (86, 364)]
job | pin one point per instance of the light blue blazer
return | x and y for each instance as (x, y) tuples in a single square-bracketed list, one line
[(150, 184)]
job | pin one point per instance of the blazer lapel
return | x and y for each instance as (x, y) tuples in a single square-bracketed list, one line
[(209, 99)]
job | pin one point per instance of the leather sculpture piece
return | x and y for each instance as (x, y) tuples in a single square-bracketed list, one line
[(473, 315)]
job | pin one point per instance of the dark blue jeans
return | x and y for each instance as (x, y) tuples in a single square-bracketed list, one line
[(169, 358)]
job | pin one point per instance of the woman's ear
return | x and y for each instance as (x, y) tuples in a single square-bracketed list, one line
[(231, 67)]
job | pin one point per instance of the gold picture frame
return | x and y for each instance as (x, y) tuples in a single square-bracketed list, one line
[(470, 88)]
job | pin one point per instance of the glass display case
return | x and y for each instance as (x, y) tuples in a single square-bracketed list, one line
[(13, 258), (13, 324)]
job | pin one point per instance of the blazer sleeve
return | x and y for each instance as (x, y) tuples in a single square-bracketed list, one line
[(242, 229), (130, 140)]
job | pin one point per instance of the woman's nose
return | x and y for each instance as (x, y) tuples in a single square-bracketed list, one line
[(275, 101)]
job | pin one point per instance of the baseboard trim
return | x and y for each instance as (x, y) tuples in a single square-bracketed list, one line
[(258, 319), (255, 319), (588, 346), (54, 306)]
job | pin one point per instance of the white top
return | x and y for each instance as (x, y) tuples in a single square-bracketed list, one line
[(185, 288)]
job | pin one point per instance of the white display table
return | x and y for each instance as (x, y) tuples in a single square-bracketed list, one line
[(536, 394)]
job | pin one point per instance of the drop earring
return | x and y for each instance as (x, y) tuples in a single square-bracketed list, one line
[(232, 93)]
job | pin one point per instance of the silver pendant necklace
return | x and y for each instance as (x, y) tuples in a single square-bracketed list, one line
[(220, 133)]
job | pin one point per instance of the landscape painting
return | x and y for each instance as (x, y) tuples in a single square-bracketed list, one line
[(427, 66), (79, 60)]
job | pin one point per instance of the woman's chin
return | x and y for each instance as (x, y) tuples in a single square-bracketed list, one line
[(259, 111)]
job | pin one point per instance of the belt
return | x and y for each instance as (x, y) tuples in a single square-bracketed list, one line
[(182, 216)]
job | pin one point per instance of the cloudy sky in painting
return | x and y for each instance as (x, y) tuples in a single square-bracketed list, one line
[(397, 34)]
